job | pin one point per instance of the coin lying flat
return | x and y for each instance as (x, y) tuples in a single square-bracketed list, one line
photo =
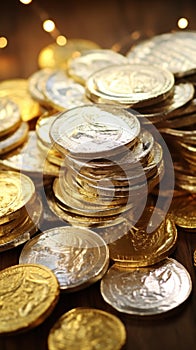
[(9, 116), (28, 295), (86, 328), (62, 92), (94, 131), (148, 290), (16, 190), (130, 85), (81, 66), (55, 56), (17, 91), (77, 256), (173, 51), (183, 210)]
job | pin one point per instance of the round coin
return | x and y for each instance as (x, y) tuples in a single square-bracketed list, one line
[(138, 248), (85, 328), (77, 256), (80, 67), (17, 91), (9, 116), (16, 190), (130, 85), (36, 83), (147, 290), (14, 140), (94, 131), (28, 293), (183, 210), (173, 51)]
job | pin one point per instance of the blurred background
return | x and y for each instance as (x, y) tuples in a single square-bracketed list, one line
[(114, 24)]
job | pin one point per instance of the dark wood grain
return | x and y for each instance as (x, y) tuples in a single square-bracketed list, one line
[(105, 22)]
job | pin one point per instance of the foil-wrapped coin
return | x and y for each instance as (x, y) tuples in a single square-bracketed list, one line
[(16, 190), (183, 210), (173, 51), (130, 85), (147, 290), (86, 328), (17, 91), (140, 248), (77, 256), (82, 65), (9, 116), (94, 131), (63, 93), (28, 293), (17, 138)]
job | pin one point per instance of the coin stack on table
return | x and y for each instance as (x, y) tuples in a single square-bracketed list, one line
[(108, 162), (20, 209), (176, 52)]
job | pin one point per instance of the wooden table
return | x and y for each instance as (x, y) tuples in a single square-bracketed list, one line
[(105, 22)]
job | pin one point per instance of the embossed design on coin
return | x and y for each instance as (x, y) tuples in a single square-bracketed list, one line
[(184, 211), (148, 290), (94, 131), (28, 294), (130, 84), (85, 328), (77, 256)]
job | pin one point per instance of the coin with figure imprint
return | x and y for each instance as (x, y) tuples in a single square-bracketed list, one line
[(148, 290), (28, 294), (94, 131), (77, 256), (87, 328)]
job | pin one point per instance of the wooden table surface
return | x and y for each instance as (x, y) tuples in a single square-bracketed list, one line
[(105, 22)]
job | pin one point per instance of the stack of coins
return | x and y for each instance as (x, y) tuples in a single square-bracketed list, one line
[(111, 165), (13, 132), (20, 209), (177, 125), (43, 139)]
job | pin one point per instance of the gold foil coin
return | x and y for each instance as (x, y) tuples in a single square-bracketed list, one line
[(17, 91), (85, 328), (140, 248), (16, 190), (183, 210), (82, 65), (28, 294), (148, 290)]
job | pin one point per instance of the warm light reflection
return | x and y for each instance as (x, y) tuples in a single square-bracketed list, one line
[(3, 42), (25, 2), (183, 23), (48, 25), (61, 40)]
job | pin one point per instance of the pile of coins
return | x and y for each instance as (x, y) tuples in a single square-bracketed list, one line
[(176, 122), (13, 131), (106, 159), (20, 209), (110, 165)]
